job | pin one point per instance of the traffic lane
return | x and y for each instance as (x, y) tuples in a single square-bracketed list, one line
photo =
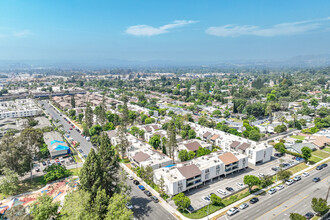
[(84, 144), (144, 207), (303, 205), (269, 202)]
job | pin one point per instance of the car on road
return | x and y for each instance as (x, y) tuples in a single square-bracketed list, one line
[(141, 187), (84, 156), (148, 193), (244, 206), (316, 179), (279, 187), (240, 185), (275, 168), (70, 128), (229, 189), (324, 165), (129, 205), (319, 167), (305, 174), (136, 182), (309, 215), (297, 178), (232, 211), (272, 191), (154, 198), (44, 163), (254, 200), (73, 126), (289, 182), (222, 192)]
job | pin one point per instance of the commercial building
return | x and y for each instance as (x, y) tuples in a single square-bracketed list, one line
[(19, 108), (56, 146)]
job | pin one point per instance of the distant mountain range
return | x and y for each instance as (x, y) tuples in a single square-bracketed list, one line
[(298, 61)]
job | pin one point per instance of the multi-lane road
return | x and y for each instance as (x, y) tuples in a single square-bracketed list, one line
[(84, 144), (295, 198)]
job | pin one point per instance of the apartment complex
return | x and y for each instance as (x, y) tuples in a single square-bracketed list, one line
[(19, 108)]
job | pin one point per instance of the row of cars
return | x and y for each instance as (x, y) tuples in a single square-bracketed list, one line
[(223, 192), (245, 205)]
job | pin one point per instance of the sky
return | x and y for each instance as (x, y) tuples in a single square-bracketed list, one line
[(167, 30)]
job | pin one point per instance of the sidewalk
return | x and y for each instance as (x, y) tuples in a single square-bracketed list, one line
[(178, 215)]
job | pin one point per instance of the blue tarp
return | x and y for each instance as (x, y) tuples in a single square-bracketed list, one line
[(172, 165), (56, 141), (61, 147)]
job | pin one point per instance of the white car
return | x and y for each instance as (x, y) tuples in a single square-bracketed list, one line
[(232, 211), (272, 191), (261, 175), (129, 177), (279, 187), (244, 206), (305, 174), (289, 182), (240, 185), (222, 192)]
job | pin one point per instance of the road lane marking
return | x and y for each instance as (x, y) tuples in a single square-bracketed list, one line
[(290, 206)]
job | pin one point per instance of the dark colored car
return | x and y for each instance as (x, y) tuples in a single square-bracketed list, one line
[(148, 193), (154, 198), (44, 163), (324, 165), (136, 182), (254, 200), (316, 179), (278, 154), (319, 167), (309, 215), (190, 208), (230, 189)]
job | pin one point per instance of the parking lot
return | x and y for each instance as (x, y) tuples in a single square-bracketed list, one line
[(67, 161), (197, 196)]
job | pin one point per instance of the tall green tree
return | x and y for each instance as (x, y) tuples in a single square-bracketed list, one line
[(155, 141), (89, 116), (123, 141), (306, 153), (320, 206), (73, 102), (296, 216), (171, 143), (77, 206), (44, 208), (251, 181), (117, 208), (181, 201), (9, 182)]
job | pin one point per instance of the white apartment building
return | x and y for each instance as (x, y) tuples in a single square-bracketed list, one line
[(191, 145), (19, 108), (189, 175)]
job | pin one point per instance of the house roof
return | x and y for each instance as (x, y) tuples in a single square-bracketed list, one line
[(190, 171), (244, 146), (320, 141), (214, 137), (228, 158), (235, 144), (140, 157), (206, 134), (148, 128), (193, 146), (297, 147)]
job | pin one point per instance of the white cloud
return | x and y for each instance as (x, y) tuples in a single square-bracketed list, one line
[(23, 33), (9, 33), (146, 30), (233, 30)]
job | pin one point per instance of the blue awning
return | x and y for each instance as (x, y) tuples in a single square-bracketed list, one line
[(61, 147)]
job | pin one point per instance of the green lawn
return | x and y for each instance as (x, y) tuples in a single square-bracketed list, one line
[(75, 171), (298, 137), (126, 160), (298, 168), (320, 153), (314, 159), (327, 149)]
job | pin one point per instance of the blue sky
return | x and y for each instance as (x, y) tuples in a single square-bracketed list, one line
[(178, 30)]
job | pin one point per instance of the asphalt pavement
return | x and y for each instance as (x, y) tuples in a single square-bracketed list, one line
[(295, 198), (84, 144), (144, 208)]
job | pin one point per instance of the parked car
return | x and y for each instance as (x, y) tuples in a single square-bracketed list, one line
[(260, 175), (316, 179), (229, 189), (305, 174), (289, 182), (154, 198), (324, 165), (148, 193), (279, 187), (129, 205), (309, 215), (129, 177), (141, 187), (222, 192), (278, 154), (136, 182), (70, 128), (37, 169), (244, 206), (232, 211), (44, 163), (275, 168), (190, 208), (206, 198), (240, 185), (272, 191), (254, 200), (297, 178)]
